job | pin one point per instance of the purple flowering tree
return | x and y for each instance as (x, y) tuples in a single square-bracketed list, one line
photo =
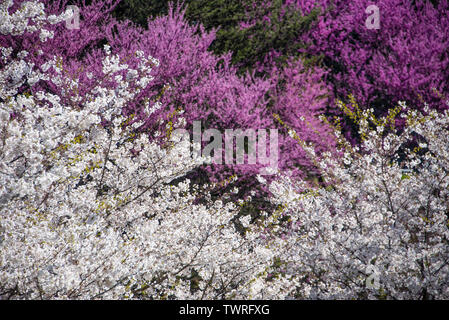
[(405, 59), (190, 80)]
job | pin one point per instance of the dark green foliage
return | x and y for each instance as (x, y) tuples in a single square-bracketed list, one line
[(281, 33), (211, 13), (223, 14), (138, 11)]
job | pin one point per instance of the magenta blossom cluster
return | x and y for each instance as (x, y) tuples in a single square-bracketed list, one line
[(405, 59), (189, 81)]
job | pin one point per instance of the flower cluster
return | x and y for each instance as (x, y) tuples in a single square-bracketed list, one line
[(94, 199), (403, 60), (89, 209), (379, 226)]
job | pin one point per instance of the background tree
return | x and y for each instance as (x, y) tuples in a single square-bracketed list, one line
[(242, 26)]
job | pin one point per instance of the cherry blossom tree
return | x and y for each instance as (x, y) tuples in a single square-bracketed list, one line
[(379, 228), (92, 205), (88, 209)]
